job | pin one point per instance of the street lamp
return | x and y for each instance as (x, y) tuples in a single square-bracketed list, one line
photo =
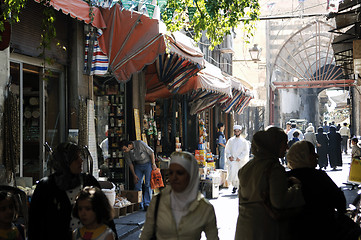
[(255, 52)]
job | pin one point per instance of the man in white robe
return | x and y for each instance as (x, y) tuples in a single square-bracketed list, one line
[(237, 155)]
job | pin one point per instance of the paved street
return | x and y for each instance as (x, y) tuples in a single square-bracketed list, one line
[(226, 205)]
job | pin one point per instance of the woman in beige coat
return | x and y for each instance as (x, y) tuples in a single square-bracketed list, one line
[(264, 175), (183, 212)]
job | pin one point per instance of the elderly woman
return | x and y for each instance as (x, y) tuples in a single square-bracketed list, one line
[(311, 136), (264, 177), (183, 212), (321, 194)]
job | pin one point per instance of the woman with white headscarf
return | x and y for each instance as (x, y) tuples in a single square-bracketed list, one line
[(183, 212), (311, 136)]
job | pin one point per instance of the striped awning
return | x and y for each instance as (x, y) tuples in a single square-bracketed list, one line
[(99, 62)]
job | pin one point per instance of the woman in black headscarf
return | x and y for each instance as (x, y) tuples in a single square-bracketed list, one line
[(51, 204), (264, 177), (322, 150), (335, 153)]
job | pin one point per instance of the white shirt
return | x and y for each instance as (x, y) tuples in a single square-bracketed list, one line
[(237, 148), (290, 134), (345, 131)]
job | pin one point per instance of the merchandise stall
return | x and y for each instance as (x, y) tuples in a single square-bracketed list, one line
[(111, 119)]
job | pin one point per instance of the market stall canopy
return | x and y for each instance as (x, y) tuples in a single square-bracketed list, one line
[(240, 98), (80, 10), (132, 41), (209, 87), (209, 79)]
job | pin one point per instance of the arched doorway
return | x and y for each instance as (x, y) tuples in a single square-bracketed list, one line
[(303, 67)]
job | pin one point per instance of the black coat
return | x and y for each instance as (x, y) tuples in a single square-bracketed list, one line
[(335, 153), (50, 210), (322, 151), (322, 197)]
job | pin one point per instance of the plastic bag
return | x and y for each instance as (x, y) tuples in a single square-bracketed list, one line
[(156, 180)]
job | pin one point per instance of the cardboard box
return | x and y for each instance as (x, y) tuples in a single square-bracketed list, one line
[(136, 207), (209, 190), (132, 195), (130, 208), (119, 211), (116, 212)]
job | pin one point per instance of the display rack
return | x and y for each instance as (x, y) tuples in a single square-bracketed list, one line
[(116, 133)]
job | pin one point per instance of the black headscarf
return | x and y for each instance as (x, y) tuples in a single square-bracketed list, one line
[(62, 157), (320, 130)]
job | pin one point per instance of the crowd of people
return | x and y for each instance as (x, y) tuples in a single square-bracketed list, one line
[(303, 203), (329, 140)]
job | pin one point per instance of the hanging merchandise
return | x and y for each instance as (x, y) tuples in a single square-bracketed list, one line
[(11, 135), (178, 145), (202, 135)]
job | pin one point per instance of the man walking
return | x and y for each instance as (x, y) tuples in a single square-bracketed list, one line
[(237, 155), (293, 129), (141, 160), (345, 134)]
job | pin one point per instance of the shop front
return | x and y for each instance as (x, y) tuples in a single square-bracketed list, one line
[(41, 115), (188, 119)]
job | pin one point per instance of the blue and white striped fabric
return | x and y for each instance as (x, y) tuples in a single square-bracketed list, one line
[(100, 61)]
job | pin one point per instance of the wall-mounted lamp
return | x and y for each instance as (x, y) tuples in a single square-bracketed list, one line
[(255, 52)]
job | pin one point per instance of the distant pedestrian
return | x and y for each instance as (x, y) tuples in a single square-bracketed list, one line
[(293, 129), (93, 210), (345, 135), (323, 148), (310, 135), (221, 144), (288, 127), (295, 138), (356, 148), (335, 154), (326, 127), (237, 153)]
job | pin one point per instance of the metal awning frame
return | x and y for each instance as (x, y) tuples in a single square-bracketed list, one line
[(314, 84)]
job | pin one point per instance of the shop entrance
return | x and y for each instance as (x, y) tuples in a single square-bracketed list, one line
[(42, 116)]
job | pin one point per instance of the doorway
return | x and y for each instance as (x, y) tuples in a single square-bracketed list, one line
[(42, 115)]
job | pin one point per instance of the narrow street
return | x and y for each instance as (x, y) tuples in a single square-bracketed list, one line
[(226, 205)]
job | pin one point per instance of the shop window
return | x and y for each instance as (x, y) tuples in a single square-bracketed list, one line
[(42, 116)]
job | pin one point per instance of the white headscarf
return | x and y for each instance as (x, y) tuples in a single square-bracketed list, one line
[(181, 201), (298, 155)]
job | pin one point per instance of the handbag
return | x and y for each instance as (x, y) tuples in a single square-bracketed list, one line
[(154, 237), (156, 180), (276, 213)]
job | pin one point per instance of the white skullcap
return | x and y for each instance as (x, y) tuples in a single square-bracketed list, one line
[(237, 127)]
